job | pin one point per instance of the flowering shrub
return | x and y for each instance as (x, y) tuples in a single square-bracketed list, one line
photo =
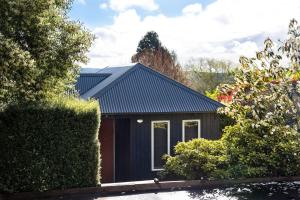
[(265, 104)]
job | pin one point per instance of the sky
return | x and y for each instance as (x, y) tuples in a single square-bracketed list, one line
[(222, 29)]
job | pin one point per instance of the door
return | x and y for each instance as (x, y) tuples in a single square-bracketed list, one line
[(122, 147)]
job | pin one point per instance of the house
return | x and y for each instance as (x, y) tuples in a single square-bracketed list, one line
[(144, 115)]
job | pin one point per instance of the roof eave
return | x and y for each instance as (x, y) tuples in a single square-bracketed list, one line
[(158, 113)]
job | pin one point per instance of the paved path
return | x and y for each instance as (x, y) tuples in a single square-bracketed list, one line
[(180, 195), (171, 195)]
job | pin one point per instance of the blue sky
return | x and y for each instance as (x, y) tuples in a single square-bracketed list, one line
[(224, 29), (90, 13)]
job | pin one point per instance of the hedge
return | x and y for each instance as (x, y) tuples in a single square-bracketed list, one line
[(49, 146)]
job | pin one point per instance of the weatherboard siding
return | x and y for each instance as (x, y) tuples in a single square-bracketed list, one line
[(140, 137)]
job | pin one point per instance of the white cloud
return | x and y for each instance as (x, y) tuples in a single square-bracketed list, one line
[(122, 5), (246, 48), (193, 9), (224, 29), (103, 6)]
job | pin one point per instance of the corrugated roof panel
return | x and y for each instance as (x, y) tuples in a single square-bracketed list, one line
[(115, 72), (143, 90), (87, 81)]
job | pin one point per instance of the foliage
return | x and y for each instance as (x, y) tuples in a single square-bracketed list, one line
[(205, 74), (265, 141), (151, 53), (40, 49), (197, 159), (213, 94), (15, 82), (149, 41), (263, 151), (225, 121), (49, 146), (264, 85)]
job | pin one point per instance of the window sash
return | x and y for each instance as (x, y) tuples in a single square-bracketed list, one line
[(198, 129), (153, 168)]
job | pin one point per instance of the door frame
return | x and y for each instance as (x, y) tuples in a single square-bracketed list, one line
[(114, 150)]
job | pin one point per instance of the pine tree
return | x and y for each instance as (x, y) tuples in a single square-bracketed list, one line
[(151, 53), (149, 41)]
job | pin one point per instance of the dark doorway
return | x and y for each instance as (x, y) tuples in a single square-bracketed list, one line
[(122, 150)]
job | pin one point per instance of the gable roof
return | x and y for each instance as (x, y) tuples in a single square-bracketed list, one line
[(114, 73), (87, 81), (139, 89)]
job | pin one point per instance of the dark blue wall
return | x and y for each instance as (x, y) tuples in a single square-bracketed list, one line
[(140, 138)]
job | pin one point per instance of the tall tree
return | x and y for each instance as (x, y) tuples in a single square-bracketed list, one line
[(151, 53), (205, 74), (149, 41), (265, 141), (40, 49)]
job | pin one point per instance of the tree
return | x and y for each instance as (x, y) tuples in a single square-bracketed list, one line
[(40, 49), (149, 41), (265, 141), (151, 53), (205, 74)]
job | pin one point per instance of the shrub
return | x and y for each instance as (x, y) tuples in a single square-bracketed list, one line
[(196, 159), (225, 121), (47, 146), (262, 151), (263, 140)]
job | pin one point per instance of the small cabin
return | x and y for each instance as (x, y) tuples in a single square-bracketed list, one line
[(144, 114)]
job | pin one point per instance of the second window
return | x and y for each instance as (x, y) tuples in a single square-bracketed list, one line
[(190, 129)]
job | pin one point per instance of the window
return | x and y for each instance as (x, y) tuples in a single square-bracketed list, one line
[(160, 143), (190, 129)]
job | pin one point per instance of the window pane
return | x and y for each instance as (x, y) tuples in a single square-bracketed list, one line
[(190, 130), (160, 143)]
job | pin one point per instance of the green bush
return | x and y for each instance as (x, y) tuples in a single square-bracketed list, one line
[(264, 140), (225, 121), (48, 146), (196, 159), (245, 151), (263, 151)]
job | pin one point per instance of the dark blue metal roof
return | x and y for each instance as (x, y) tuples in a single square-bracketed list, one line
[(114, 74), (86, 81), (139, 89)]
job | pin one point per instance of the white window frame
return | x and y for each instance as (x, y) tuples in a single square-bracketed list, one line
[(191, 120), (152, 141)]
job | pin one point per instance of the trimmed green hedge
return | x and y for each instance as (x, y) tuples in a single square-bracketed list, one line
[(49, 146)]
